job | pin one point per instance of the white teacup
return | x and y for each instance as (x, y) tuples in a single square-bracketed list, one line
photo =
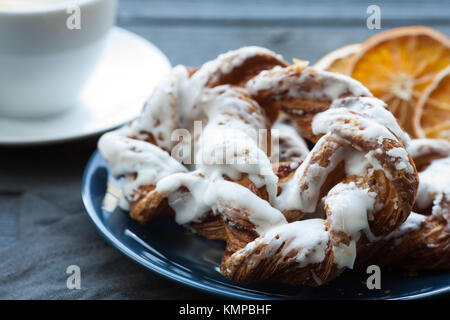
[(48, 51)]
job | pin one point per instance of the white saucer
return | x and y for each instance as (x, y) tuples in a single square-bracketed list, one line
[(125, 77)]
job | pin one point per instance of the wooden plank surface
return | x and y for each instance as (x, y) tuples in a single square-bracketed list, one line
[(280, 11), (191, 32), (193, 46)]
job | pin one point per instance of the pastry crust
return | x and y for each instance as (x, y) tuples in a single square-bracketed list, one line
[(292, 215), (423, 241)]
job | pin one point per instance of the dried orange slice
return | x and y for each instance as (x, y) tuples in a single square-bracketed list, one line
[(336, 60), (397, 66), (432, 113)]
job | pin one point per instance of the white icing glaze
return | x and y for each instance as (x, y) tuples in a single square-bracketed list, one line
[(188, 206), (434, 180), (437, 210), (292, 197), (400, 156), (345, 255), (332, 85), (349, 207), (308, 237), (228, 61), (421, 147), (291, 146), (334, 119), (214, 193), (233, 129), (375, 123), (412, 223), (171, 106), (356, 163), (374, 109), (129, 156), (260, 212)]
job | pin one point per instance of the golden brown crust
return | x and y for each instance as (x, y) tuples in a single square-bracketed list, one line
[(425, 246), (212, 227), (149, 206), (247, 70)]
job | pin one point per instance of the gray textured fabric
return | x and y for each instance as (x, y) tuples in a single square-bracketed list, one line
[(45, 229)]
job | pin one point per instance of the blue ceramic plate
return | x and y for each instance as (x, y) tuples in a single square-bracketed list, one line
[(169, 250)]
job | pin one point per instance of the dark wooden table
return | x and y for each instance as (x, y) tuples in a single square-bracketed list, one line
[(40, 186)]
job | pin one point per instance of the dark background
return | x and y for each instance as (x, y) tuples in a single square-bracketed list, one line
[(43, 226)]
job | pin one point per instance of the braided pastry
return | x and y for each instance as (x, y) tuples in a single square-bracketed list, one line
[(423, 241), (286, 213)]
